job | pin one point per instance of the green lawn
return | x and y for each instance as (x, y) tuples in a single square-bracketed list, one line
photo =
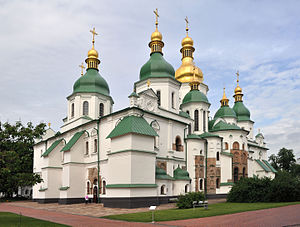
[(213, 210), (11, 219)]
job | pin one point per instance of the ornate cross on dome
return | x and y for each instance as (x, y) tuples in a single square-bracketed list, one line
[(156, 17), (237, 74), (187, 25), (82, 68), (94, 33)]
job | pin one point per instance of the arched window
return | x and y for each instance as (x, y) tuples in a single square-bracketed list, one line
[(186, 188), (236, 174), (244, 171), (189, 129), (204, 121), (95, 145), (72, 110), (85, 109), (162, 190), (236, 146), (218, 156), (243, 146), (201, 184), (88, 187), (86, 147), (217, 183), (172, 100), (196, 118), (104, 187), (158, 97), (178, 144), (226, 146), (188, 112), (101, 110)]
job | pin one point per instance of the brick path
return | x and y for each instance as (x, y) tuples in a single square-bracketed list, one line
[(281, 216)]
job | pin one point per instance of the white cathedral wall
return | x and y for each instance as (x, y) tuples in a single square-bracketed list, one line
[(248, 125), (168, 187), (179, 187), (226, 168)]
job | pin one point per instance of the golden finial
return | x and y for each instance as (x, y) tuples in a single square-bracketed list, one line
[(224, 101), (156, 17), (237, 75), (238, 90), (82, 68), (94, 33), (187, 26), (148, 83), (49, 124)]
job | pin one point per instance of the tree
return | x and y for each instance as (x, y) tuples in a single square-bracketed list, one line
[(284, 160), (16, 156)]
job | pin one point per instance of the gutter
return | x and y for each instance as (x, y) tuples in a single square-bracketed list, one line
[(205, 179), (98, 160)]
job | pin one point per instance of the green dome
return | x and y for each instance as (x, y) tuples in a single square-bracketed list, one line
[(223, 126), (225, 111), (156, 66), (195, 96), (161, 174), (180, 174), (242, 113), (91, 82)]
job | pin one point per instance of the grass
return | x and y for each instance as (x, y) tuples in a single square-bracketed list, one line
[(11, 219), (180, 214)]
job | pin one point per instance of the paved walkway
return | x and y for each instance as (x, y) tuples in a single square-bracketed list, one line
[(282, 216)]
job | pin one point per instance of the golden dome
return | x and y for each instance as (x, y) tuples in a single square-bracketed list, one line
[(156, 36), (185, 73), (92, 53), (238, 90), (187, 41)]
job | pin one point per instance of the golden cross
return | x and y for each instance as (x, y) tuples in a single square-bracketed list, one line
[(49, 124), (148, 83), (237, 74), (82, 68), (94, 33), (156, 17), (187, 25)]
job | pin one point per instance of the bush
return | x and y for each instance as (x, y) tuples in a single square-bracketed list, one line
[(283, 188), (186, 201)]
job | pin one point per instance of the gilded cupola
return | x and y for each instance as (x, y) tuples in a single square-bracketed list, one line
[(225, 110), (156, 44), (92, 59), (185, 72)]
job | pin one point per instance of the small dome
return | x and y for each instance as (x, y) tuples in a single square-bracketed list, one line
[(242, 113), (194, 96), (92, 53), (238, 90), (225, 111), (187, 41), (180, 174), (156, 66), (91, 82), (156, 36)]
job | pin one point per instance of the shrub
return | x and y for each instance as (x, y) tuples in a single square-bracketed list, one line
[(186, 201)]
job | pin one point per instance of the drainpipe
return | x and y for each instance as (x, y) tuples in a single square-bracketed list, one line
[(98, 161), (205, 179), (185, 146)]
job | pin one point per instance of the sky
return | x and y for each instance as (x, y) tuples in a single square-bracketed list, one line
[(42, 44)]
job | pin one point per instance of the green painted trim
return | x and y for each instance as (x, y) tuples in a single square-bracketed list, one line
[(85, 163), (43, 189), (177, 157), (266, 168), (52, 147), (73, 140), (128, 150), (226, 153), (227, 184), (52, 167), (254, 145), (65, 188), (131, 186), (171, 159)]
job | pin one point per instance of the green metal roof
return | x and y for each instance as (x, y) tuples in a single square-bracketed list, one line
[(223, 126), (161, 174), (210, 124), (270, 166), (262, 165), (207, 134), (259, 135), (51, 148), (156, 66), (184, 114), (194, 96), (91, 82), (226, 153), (132, 124), (133, 94), (193, 136), (72, 141), (242, 113), (180, 174), (225, 111)]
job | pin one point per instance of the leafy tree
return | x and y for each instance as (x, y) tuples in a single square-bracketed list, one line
[(16, 156), (284, 160)]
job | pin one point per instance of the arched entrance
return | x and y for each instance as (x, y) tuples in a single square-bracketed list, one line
[(95, 191), (236, 174)]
